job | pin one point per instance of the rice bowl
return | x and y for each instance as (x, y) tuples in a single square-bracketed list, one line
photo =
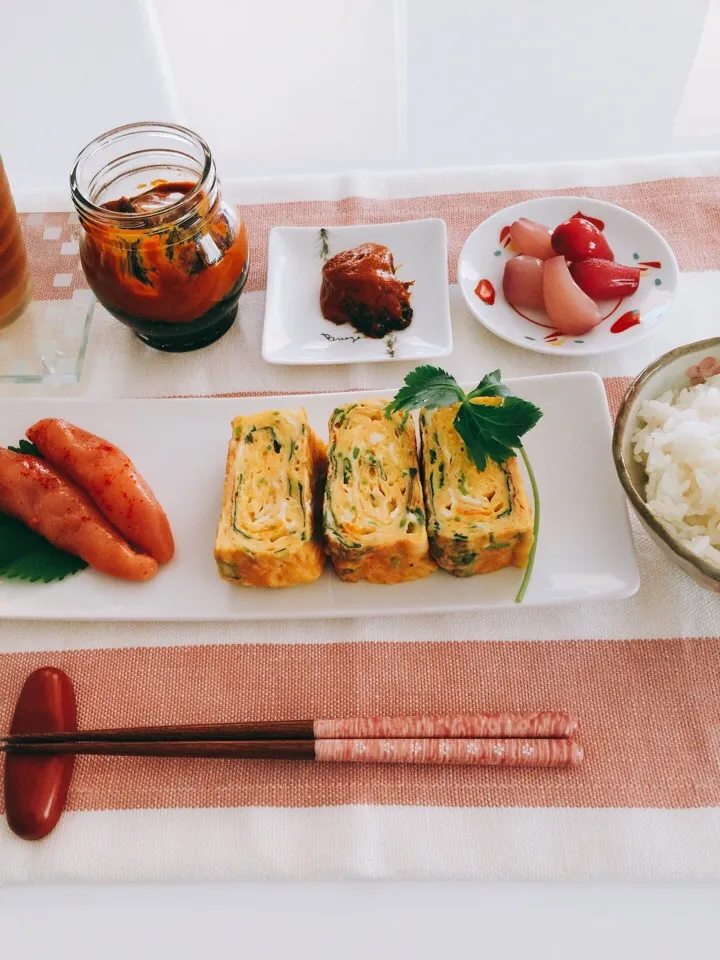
[(678, 443), (670, 523)]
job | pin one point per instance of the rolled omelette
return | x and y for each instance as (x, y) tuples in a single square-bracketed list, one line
[(270, 531), (478, 520), (373, 516)]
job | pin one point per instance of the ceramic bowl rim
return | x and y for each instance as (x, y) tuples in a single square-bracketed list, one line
[(622, 426)]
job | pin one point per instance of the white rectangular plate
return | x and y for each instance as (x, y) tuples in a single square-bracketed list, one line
[(295, 330), (585, 549)]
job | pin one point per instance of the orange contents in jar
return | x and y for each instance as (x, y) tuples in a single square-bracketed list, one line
[(172, 265)]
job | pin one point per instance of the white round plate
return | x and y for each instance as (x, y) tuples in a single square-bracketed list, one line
[(633, 241)]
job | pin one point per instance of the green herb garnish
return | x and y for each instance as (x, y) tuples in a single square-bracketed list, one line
[(136, 266), (25, 555), (488, 431), (277, 446), (465, 559), (323, 237), (24, 446)]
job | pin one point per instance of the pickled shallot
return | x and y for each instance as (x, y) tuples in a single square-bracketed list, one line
[(561, 274), (523, 282), (570, 310), (531, 239)]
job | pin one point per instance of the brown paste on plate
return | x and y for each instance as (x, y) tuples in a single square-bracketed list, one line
[(359, 286)]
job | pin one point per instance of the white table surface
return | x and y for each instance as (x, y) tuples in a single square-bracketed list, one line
[(282, 88)]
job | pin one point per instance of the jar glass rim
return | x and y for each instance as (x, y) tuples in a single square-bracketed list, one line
[(85, 204)]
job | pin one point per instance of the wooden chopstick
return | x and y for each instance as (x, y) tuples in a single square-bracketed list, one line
[(275, 730), (490, 751), (543, 724)]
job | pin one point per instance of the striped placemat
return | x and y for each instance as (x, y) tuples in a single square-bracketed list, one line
[(650, 740), (642, 674)]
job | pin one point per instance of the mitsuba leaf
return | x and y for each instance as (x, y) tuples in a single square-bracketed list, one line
[(473, 440), (510, 420), (487, 430), (426, 386), (491, 385), (480, 442)]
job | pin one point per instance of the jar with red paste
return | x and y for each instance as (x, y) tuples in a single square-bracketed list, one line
[(161, 249)]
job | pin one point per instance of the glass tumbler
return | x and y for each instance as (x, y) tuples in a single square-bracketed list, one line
[(15, 284)]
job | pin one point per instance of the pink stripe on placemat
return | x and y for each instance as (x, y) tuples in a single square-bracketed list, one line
[(616, 388), (649, 714), (684, 210)]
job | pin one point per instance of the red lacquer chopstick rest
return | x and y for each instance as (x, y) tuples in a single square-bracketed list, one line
[(36, 787), (44, 740)]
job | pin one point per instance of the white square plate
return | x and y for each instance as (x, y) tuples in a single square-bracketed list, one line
[(585, 549), (295, 330)]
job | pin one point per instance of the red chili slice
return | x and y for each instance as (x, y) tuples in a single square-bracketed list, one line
[(486, 292), (594, 220), (627, 320)]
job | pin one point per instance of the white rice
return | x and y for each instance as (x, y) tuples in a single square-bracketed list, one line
[(678, 442)]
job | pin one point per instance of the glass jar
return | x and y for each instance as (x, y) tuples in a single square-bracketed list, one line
[(160, 248), (15, 284)]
